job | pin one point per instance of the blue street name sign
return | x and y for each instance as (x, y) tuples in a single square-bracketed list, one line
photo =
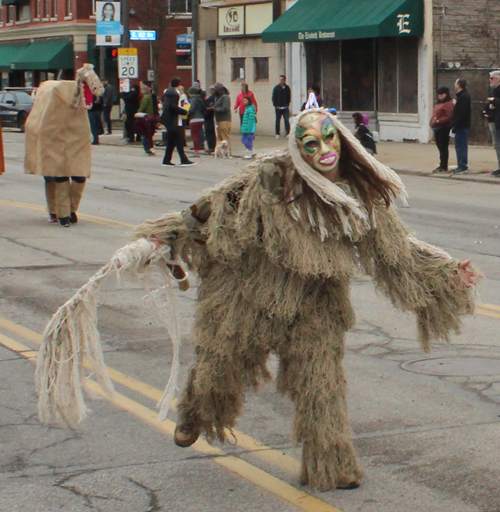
[(143, 35)]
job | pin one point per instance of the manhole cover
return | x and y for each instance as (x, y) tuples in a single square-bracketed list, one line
[(455, 366)]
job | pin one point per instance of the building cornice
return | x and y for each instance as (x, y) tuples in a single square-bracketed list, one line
[(55, 30)]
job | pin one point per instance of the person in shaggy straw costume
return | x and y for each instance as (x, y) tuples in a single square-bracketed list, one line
[(275, 247)]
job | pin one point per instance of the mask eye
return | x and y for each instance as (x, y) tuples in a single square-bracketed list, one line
[(313, 144), (329, 138)]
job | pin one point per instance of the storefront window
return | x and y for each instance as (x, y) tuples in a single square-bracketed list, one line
[(398, 75), (349, 72), (314, 71), (261, 69), (331, 75), (408, 74), (358, 74), (387, 75)]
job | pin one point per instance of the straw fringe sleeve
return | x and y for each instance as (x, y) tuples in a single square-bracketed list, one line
[(417, 277)]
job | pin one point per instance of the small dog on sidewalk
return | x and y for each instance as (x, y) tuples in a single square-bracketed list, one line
[(222, 150)]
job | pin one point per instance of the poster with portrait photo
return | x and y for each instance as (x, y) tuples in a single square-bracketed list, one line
[(108, 23)]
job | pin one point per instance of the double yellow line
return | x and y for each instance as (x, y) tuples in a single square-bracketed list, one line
[(83, 216), (488, 310), (244, 469)]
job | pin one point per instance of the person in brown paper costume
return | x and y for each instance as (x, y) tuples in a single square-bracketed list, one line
[(275, 247), (58, 141)]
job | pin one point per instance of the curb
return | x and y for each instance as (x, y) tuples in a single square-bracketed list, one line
[(470, 178), (449, 176)]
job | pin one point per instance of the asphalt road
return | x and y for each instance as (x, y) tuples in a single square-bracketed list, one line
[(427, 428)]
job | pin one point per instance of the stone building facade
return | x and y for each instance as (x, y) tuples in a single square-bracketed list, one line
[(233, 58)]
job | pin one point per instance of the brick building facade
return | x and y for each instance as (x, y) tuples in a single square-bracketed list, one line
[(466, 43), (46, 39)]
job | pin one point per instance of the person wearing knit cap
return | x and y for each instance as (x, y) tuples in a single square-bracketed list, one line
[(196, 117), (441, 125)]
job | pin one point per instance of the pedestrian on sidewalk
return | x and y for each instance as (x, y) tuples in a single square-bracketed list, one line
[(131, 101), (281, 101), (210, 121), (95, 119), (171, 118), (493, 115), (107, 105), (441, 125), (186, 105), (314, 99), (461, 122), (248, 127), (239, 106), (222, 109), (145, 118), (196, 117), (363, 134)]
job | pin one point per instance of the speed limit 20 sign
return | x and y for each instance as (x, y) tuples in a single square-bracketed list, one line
[(128, 63)]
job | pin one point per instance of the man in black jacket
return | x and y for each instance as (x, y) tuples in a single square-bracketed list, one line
[(493, 115), (281, 101), (170, 119), (460, 123)]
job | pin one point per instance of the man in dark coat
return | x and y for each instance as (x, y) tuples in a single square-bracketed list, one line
[(281, 102), (107, 104), (493, 115), (131, 101), (170, 119), (461, 125)]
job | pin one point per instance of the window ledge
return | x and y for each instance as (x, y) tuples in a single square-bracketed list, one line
[(54, 19), (9, 24), (22, 22), (398, 118), (184, 67), (68, 18), (45, 19)]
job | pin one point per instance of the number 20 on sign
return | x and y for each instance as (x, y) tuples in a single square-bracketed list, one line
[(128, 63)]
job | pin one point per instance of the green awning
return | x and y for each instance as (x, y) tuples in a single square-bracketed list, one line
[(321, 20), (46, 54), (8, 52)]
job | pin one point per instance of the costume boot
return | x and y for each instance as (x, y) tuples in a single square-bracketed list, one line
[(76, 194), (50, 195), (63, 202)]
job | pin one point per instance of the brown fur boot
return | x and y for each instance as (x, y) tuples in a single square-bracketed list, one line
[(63, 202), (50, 196), (76, 193)]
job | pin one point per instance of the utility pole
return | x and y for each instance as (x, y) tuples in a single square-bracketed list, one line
[(195, 21), (126, 23)]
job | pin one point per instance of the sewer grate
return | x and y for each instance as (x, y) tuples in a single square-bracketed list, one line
[(455, 366)]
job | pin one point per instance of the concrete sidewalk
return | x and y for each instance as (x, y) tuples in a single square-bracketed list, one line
[(404, 157)]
